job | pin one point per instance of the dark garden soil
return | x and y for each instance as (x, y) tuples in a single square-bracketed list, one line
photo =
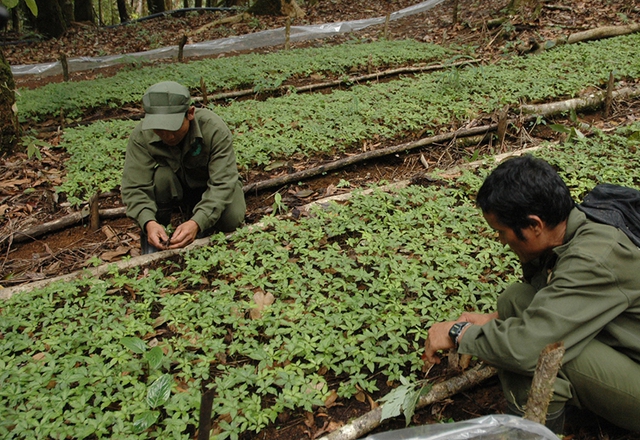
[(27, 196)]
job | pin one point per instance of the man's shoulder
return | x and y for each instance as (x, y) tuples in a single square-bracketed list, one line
[(139, 135), (210, 123)]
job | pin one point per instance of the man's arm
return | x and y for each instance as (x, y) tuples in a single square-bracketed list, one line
[(137, 180), (439, 338), (222, 170)]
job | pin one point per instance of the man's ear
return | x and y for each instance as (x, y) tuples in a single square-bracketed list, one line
[(537, 224), (191, 113)]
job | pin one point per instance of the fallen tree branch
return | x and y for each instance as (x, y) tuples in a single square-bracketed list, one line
[(439, 391), (602, 32), (592, 101), (374, 154), (55, 225), (338, 82)]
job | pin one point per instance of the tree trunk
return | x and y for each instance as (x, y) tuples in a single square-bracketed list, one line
[(277, 7), (10, 127), (67, 11), (84, 11), (198, 4), (50, 21), (155, 6), (122, 11)]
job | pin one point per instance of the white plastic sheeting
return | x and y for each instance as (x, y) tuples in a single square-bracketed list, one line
[(256, 40), (498, 426)]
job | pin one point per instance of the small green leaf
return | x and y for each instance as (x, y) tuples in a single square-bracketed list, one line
[(144, 421), (159, 391), (9, 3), (33, 7), (154, 357), (134, 344)]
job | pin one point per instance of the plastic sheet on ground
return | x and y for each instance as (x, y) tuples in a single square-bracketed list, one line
[(256, 40), (493, 427)]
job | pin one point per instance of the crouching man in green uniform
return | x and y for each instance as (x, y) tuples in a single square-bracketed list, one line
[(581, 286), (180, 156)]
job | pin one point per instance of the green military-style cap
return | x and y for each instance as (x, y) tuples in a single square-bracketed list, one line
[(165, 104)]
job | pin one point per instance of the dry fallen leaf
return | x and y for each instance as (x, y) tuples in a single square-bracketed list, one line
[(262, 300), (331, 399)]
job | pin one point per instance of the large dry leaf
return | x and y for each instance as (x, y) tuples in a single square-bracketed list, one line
[(262, 300), (112, 255)]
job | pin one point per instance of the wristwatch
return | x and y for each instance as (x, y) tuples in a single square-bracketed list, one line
[(456, 329)]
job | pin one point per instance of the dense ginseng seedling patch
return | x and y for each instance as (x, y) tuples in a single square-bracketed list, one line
[(273, 319), (254, 71), (300, 126)]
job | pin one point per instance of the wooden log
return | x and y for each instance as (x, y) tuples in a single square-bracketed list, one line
[(61, 223), (592, 101), (350, 80), (603, 32), (438, 392), (544, 377), (374, 154)]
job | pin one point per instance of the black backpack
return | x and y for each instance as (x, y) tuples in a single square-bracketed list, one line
[(614, 205)]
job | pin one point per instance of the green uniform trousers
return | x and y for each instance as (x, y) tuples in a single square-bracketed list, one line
[(169, 193), (600, 379)]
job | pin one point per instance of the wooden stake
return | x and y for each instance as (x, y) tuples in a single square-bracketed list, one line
[(544, 377), (454, 19), (65, 66), (287, 34), (94, 206), (609, 97), (203, 90), (206, 404), (502, 126), (181, 48), (386, 27)]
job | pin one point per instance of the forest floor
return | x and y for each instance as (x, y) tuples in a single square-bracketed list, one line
[(27, 195)]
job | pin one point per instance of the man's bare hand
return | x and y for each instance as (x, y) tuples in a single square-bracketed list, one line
[(184, 234), (438, 340), (477, 318), (156, 235)]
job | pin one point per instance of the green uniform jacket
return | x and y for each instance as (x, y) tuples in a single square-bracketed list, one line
[(204, 159), (589, 288)]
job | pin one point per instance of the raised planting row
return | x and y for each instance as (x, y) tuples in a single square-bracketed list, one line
[(275, 319), (300, 126), (254, 71)]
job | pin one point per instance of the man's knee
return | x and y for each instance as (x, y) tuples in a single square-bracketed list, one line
[(166, 186), (233, 215), (607, 383)]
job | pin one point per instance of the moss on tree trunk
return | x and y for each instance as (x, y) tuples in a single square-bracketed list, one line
[(9, 125)]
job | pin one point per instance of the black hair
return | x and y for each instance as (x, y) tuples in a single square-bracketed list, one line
[(523, 186)]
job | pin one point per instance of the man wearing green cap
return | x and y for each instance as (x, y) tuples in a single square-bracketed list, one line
[(180, 156)]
